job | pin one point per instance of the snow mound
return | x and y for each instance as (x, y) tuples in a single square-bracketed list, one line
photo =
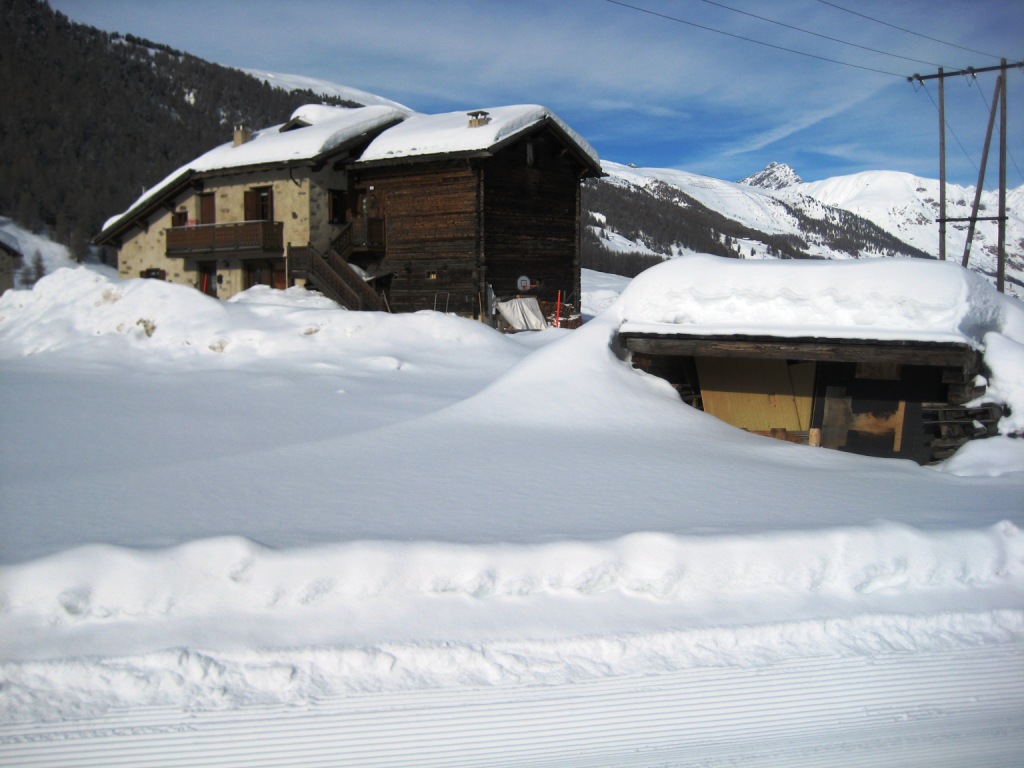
[(86, 311)]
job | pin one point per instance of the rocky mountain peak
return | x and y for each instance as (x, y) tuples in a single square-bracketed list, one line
[(774, 176)]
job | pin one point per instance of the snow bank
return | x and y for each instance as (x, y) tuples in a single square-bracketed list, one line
[(225, 622), (86, 311)]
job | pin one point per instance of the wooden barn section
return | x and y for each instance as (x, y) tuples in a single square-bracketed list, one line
[(888, 398), (454, 211)]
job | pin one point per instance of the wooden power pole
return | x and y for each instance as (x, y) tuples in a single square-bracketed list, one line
[(999, 98)]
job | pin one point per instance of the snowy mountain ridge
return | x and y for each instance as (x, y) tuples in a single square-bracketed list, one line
[(872, 213)]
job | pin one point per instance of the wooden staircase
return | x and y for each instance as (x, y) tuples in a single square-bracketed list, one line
[(331, 274)]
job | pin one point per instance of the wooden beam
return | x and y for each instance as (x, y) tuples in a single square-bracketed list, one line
[(935, 353)]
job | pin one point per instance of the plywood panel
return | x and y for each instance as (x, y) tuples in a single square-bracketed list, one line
[(801, 377), (758, 395)]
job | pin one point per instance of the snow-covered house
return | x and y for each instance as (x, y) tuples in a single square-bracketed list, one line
[(224, 221), (373, 206), (474, 204), (882, 357)]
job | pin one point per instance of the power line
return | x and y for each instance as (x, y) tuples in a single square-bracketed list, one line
[(948, 126), (904, 29), (752, 40), (985, 105), (818, 34)]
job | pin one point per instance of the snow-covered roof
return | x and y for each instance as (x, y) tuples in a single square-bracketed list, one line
[(870, 299), (451, 132), (324, 128), (314, 130)]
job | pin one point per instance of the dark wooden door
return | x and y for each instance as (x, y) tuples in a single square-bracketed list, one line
[(207, 209)]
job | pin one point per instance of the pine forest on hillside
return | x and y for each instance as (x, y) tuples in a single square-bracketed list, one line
[(88, 120)]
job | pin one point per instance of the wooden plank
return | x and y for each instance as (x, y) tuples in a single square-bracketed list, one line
[(848, 350), (801, 377)]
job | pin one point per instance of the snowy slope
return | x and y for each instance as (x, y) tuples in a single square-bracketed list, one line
[(324, 88), (53, 255), (360, 538), (755, 207), (908, 207), (902, 205)]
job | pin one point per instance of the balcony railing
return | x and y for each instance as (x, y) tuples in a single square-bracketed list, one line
[(260, 236)]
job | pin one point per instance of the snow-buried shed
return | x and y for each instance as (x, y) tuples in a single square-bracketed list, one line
[(880, 357)]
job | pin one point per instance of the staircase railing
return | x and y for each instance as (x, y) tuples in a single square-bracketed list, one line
[(333, 276)]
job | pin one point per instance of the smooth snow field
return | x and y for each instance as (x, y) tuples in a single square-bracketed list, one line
[(271, 531)]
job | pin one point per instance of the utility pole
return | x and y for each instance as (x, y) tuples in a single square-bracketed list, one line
[(1001, 270), (981, 172), (1000, 97), (942, 166)]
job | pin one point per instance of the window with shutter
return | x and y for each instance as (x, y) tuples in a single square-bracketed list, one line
[(259, 204)]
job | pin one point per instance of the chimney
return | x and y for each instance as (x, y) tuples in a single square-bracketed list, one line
[(477, 118), (243, 133)]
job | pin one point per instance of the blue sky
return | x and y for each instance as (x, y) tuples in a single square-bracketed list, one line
[(643, 88)]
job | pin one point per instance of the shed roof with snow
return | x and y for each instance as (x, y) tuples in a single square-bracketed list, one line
[(874, 356)]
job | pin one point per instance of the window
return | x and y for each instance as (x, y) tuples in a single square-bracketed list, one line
[(337, 200), (179, 219), (259, 204)]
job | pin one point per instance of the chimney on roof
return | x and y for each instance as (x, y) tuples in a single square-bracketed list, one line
[(477, 118), (243, 133)]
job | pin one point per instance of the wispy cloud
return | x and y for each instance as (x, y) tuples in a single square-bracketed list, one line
[(640, 87)]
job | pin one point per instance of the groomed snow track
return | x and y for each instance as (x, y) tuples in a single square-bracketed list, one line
[(956, 708)]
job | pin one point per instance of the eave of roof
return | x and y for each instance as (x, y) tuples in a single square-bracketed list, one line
[(944, 353)]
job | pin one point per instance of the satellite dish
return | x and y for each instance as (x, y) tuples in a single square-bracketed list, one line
[(523, 283)]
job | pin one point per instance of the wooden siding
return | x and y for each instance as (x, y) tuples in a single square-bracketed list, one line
[(431, 239), (531, 221)]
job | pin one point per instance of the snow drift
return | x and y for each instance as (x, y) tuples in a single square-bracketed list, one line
[(211, 504)]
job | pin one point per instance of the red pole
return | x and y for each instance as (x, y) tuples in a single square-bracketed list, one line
[(558, 311)]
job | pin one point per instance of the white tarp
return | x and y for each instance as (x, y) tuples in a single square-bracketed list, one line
[(523, 314)]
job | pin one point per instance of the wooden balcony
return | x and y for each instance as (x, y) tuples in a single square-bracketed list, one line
[(253, 236)]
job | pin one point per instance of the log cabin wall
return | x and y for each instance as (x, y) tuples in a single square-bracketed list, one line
[(431, 239), (531, 220)]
